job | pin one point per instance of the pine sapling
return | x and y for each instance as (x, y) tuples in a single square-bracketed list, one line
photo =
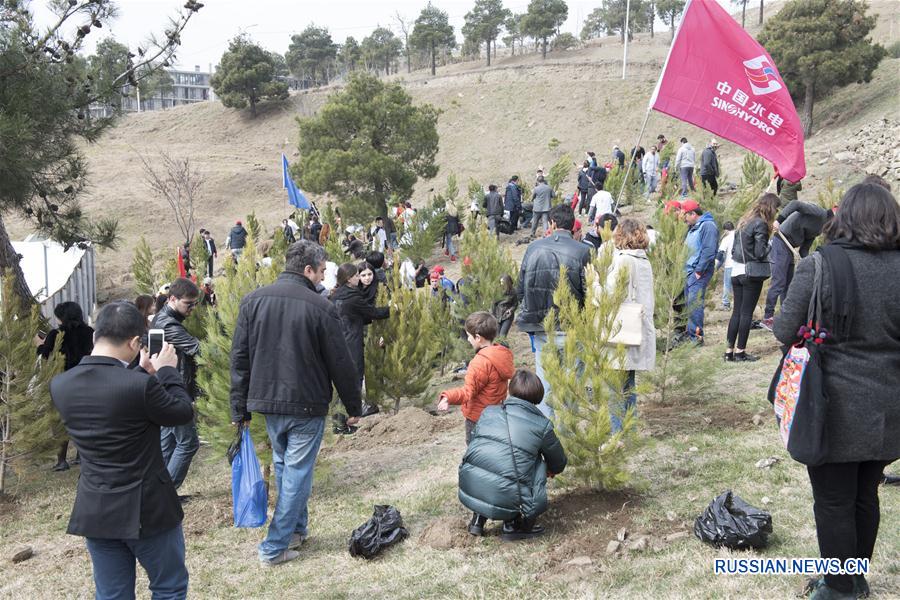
[(142, 269), (586, 381)]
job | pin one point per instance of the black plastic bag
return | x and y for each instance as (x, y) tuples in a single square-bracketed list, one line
[(384, 529), (730, 522)]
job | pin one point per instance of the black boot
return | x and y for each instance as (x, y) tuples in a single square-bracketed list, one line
[(476, 525), (520, 529)]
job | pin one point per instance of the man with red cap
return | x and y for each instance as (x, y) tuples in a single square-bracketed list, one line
[(703, 243), (237, 239)]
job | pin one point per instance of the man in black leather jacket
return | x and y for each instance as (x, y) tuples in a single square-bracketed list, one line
[(180, 443), (287, 353), (539, 277)]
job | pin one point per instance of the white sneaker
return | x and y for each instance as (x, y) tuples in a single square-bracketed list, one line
[(297, 540), (285, 556)]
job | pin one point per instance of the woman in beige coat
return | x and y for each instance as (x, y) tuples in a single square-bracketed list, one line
[(631, 242)]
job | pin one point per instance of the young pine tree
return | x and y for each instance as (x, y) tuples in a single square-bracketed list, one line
[(421, 234), (586, 383), (489, 262), (30, 426), (253, 227), (558, 174), (400, 350), (142, 269), (214, 362), (199, 256), (680, 371)]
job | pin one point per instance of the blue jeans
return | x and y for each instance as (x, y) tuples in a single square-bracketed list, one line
[(451, 248), (726, 288), (617, 413), (295, 445), (687, 180), (538, 339), (162, 557), (179, 445), (695, 296)]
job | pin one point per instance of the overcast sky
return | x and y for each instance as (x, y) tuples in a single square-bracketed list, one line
[(272, 22)]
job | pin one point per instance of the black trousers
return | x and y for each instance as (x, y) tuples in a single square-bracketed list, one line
[(514, 219), (845, 499), (710, 180), (582, 201), (209, 267), (746, 295)]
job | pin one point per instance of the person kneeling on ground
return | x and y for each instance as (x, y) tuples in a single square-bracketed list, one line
[(503, 475)]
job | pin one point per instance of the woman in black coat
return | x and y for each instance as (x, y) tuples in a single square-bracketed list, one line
[(860, 284), (355, 311), (505, 309), (77, 342), (750, 270)]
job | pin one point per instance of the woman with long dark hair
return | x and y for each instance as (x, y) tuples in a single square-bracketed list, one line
[(355, 312), (860, 284), (750, 269), (77, 342), (147, 305), (504, 309), (368, 283)]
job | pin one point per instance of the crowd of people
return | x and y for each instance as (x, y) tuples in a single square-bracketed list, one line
[(130, 414)]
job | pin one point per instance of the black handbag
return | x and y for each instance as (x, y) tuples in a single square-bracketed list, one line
[(754, 269)]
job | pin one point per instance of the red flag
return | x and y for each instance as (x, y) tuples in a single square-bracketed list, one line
[(180, 260), (719, 78)]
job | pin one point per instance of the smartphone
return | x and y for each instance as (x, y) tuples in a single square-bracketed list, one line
[(155, 339)]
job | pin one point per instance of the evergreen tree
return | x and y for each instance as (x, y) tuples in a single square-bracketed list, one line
[(513, 26), (743, 5), (214, 360), (819, 45), (420, 234), (381, 49), (30, 426), (432, 32), (490, 260), (483, 23), (559, 172), (582, 398), (543, 20), (254, 229), (199, 256), (613, 184), (311, 54), (366, 143), (142, 269), (611, 17), (400, 350), (670, 12), (349, 55), (246, 75), (681, 373), (45, 96)]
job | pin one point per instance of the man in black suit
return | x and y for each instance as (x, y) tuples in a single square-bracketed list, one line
[(126, 506), (211, 251)]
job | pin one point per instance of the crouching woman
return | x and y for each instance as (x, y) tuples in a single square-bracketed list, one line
[(503, 475)]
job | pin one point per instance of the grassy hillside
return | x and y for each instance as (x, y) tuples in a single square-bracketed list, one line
[(496, 121)]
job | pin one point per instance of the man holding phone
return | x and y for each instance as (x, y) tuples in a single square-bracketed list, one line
[(126, 506), (180, 443), (287, 352)]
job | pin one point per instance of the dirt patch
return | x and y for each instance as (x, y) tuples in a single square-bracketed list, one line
[(668, 419), (410, 427), (205, 514), (446, 533), (587, 520)]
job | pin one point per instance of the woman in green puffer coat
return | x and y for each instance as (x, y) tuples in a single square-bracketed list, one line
[(503, 475)]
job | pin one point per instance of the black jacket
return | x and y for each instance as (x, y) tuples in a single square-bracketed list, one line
[(452, 227), (597, 175), (288, 349), (513, 197), (539, 276), (584, 181), (186, 346), (801, 223), (356, 313), (210, 245), (493, 204), (113, 416), (237, 238), (753, 243), (77, 342), (709, 163)]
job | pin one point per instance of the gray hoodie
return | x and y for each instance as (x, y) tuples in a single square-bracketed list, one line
[(685, 157)]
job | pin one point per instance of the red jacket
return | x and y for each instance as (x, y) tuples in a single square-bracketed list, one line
[(487, 381)]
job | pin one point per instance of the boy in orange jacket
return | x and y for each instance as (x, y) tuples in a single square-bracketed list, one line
[(488, 374)]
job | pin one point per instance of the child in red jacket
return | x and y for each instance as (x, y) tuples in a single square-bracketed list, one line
[(488, 374)]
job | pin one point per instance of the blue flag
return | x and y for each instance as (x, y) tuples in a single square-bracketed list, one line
[(295, 196)]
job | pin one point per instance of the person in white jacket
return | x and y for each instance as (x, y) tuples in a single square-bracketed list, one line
[(684, 163), (650, 167)]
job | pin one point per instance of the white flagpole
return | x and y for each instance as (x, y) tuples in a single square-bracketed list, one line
[(652, 98), (625, 52)]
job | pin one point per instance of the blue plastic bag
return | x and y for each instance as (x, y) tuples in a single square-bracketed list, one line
[(251, 499)]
